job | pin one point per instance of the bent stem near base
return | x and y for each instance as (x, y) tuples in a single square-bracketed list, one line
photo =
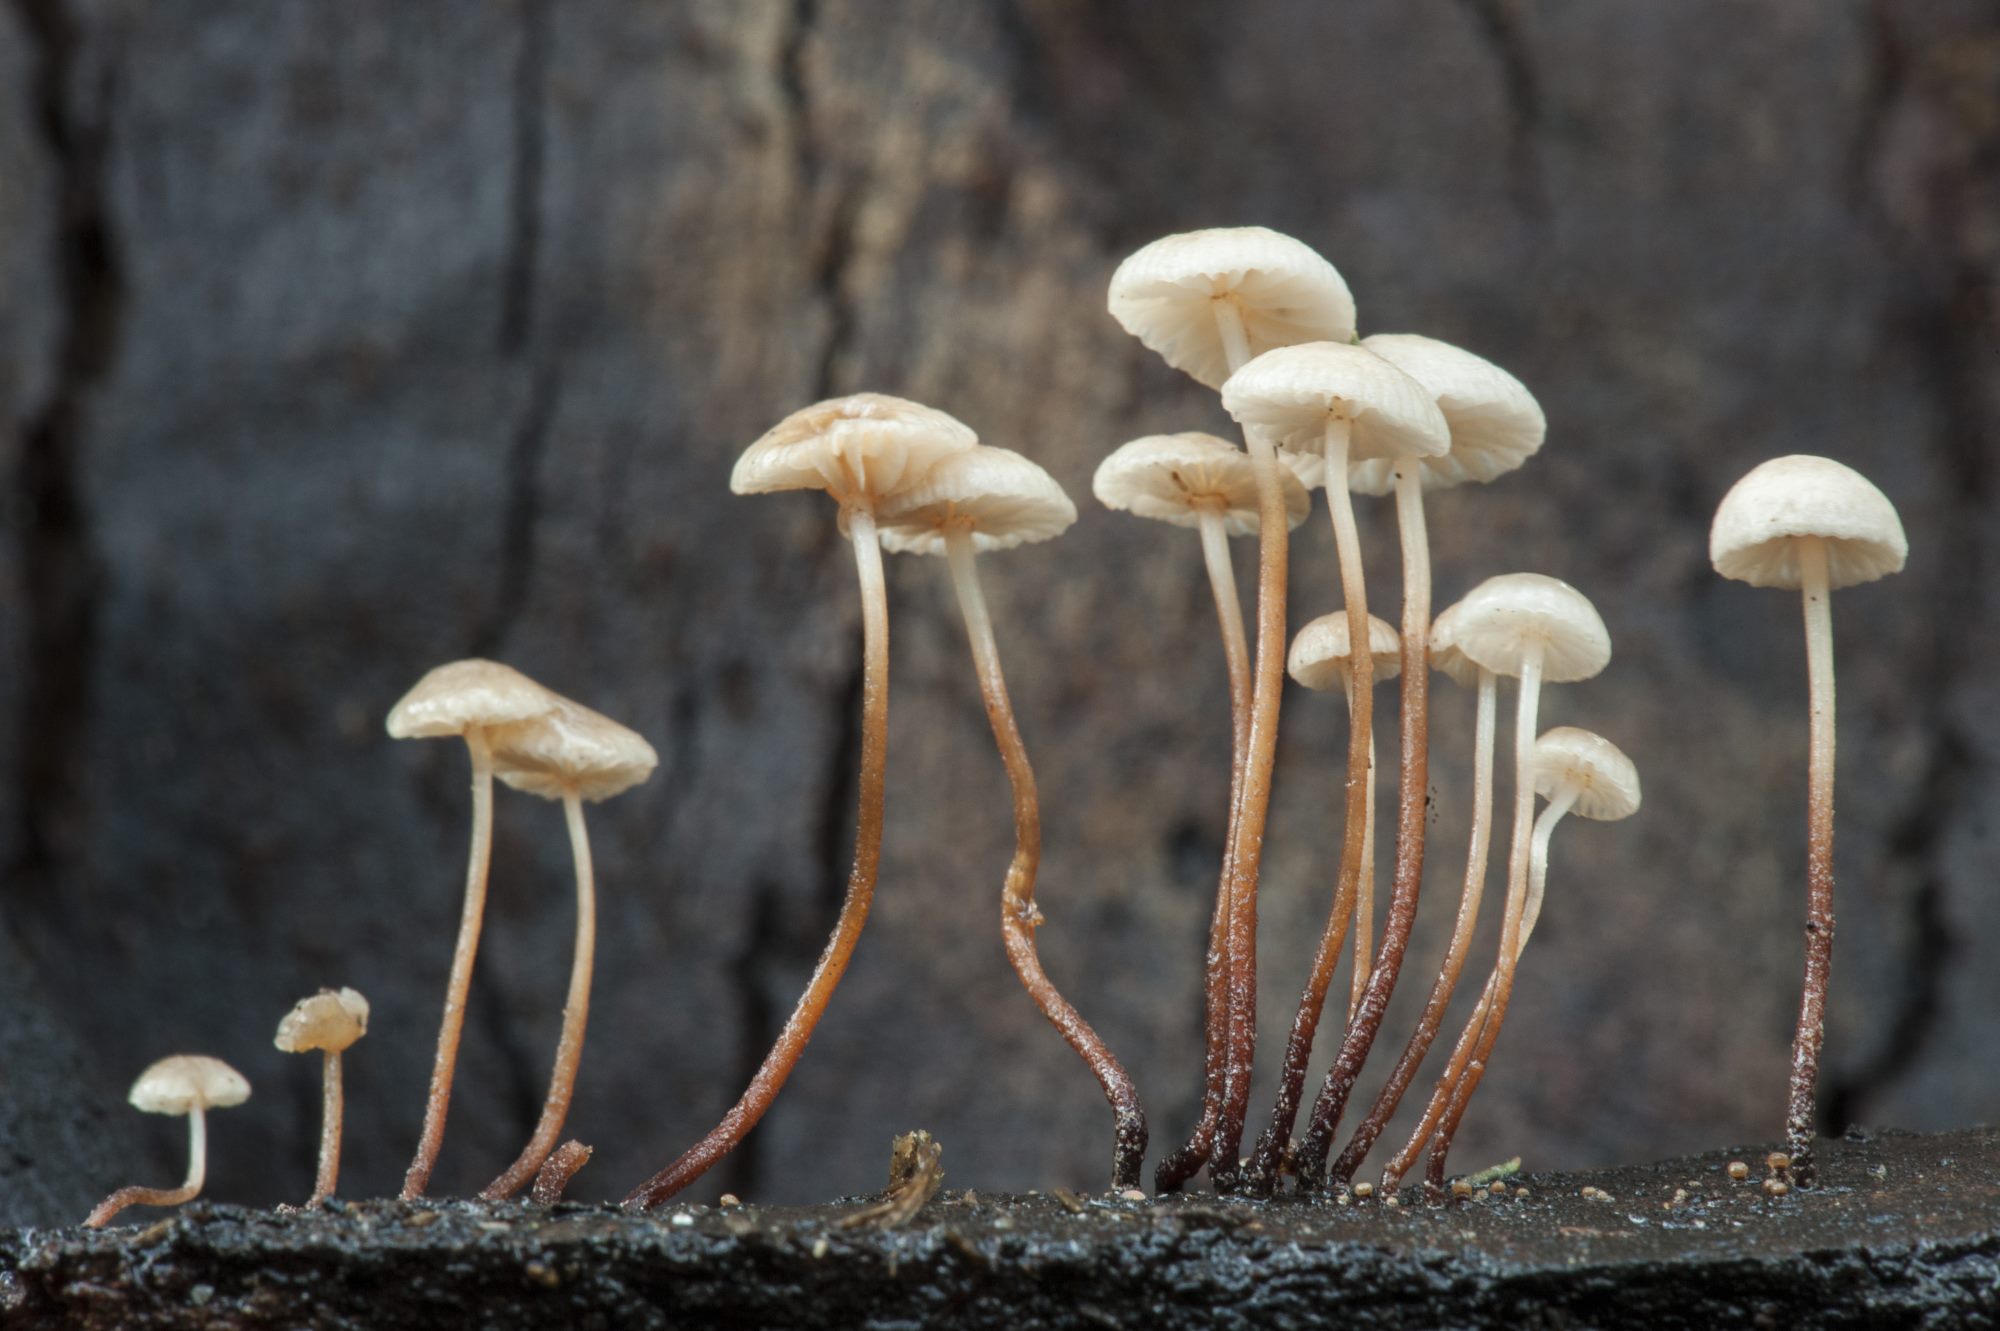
[(187, 1192)]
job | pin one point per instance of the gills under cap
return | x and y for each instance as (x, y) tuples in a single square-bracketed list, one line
[(859, 449), (454, 698), (1320, 657), (1501, 618), (571, 746), (1604, 780), (1495, 422), (1764, 517), (1173, 477), (182, 1082), (1292, 393), (1000, 497), (331, 1020)]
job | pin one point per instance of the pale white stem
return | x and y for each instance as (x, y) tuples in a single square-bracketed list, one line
[(1228, 614), (1538, 861), (332, 1107)]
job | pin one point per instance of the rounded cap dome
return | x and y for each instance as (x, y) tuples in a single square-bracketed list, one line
[(331, 1019), (1000, 496), (571, 746), (1604, 779), (1171, 477), (1320, 652), (454, 698), (1502, 616), (859, 449), (1496, 424), (1165, 295), (176, 1085), (1446, 655), (1290, 394), (1765, 515)]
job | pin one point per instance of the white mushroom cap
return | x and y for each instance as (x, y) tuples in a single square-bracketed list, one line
[(1002, 498), (331, 1019), (571, 746), (1292, 392), (858, 449), (1446, 655), (1500, 617), (176, 1085), (1604, 779), (1165, 294), (1320, 652), (1171, 477), (1496, 424), (1761, 520), (454, 698)]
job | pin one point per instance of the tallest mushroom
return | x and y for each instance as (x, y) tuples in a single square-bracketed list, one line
[(1208, 302)]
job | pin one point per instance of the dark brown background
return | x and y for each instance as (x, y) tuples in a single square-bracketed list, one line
[(339, 341)]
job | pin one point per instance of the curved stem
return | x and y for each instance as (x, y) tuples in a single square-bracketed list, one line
[(474, 912), (791, 1042), (187, 1192), (331, 1108), (576, 1016), (1364, 891), (558, 1170), (1819, 860), (1405, 1071)]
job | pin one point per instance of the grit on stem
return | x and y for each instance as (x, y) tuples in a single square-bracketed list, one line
[(791, 1042), (333, 1106), (187, 1192), (1815, 594)]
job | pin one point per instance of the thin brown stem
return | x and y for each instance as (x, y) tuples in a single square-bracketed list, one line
[(556, 1172), (187, 1192), (1364, 890), (1799, 1115), (791, 1042), (331, 1110)]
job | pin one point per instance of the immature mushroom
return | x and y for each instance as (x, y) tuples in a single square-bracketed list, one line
[(570, 754), (1208, 302), (464, 698), (1812, 524), (860, 450), (188, 1084), (329, 1022), (994, 499)]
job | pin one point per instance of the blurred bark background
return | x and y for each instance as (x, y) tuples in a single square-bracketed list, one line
[(340, 341)]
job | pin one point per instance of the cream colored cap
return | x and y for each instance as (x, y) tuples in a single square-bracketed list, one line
[(1760, 522), (1502, 616), (1446, 655), (1292, 392), (1496, 424), (1171, 477), (331, 1019), (454, 698), (1604, 779), (176, 1085), (1165, 295), (1320, 652), (859, 449), (571, 746), (1002, 498)]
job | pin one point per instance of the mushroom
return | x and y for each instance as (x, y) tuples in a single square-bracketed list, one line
[(860, 450), (1812, 524), (1198, 480), (994, 499), (570, 754), (464, 698), (329, 1022), (190, 1084), (1208, 302), (1346, 404)]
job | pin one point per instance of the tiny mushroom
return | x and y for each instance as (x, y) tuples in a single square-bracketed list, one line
[(189, 1084), (328, 1022), (1814, 525)]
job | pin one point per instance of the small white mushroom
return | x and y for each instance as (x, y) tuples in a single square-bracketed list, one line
[(190, 1084), (328, 1022)]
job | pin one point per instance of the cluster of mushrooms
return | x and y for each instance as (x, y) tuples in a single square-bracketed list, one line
[(1271, 325)]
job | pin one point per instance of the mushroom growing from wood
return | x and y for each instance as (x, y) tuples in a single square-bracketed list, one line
[(1809, 524), (328, 1022), (860, 450), (464, 698), (190, 1084), (571, 754), (994, 499)]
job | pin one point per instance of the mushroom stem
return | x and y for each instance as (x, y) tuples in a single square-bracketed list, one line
[(187, 1192), (1364, 887), (1018, 913), (558, 1170), (332, 1107), (576, 1016), (439, 1099), (791, 1041), (1814, 591), (1405, 1071)]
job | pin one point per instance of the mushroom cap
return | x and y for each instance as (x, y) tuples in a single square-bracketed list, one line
[(1760, 522), (331, 1019), (455, 698), (177, 1084), (1500, 617), (1446, 655), (1002, 498), (1496, 424), (1290, 394), (860, 448), (1320, 651), (1604, 779), (571, 746), (1171, 477), (1164, 295)]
